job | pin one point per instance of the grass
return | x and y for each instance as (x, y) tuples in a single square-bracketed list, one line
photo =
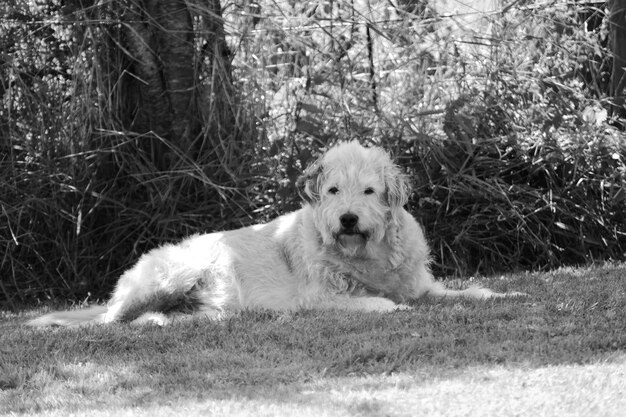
[(560, 351)]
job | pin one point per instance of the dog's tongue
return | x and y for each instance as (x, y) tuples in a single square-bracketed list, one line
[(351, 240)]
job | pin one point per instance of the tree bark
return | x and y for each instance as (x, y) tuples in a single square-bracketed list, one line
[(218, 102), (160, 41)]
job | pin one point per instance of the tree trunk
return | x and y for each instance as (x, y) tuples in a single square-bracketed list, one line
[(159, 36), (617, 24), (218, 102)]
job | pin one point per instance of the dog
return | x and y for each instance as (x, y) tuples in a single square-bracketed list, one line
[(351, 246)]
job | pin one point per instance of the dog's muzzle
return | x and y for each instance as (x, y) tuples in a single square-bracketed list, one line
[(349, 234)]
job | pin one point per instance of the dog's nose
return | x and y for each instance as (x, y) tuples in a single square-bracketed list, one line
[(348, 220)]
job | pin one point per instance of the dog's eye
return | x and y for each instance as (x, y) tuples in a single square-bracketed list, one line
[(333, 190), (369, 190)]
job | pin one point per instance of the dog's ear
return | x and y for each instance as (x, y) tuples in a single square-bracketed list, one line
[(397, 186), (308, 182)]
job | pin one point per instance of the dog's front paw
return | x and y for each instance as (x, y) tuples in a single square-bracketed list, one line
[(151, 318)]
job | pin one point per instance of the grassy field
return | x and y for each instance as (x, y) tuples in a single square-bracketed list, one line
[(561, 351)]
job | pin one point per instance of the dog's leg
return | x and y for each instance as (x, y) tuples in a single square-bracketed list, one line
[(132, 289), (373, 304), (80, 317), (424, 284), (152, 285), (439, 290), (164, 282), (131, 297), (161, 319)]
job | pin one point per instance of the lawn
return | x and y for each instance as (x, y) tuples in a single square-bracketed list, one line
[(561, 351)]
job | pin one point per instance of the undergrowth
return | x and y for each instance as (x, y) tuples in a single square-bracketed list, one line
[(507, 142), (492, 199)]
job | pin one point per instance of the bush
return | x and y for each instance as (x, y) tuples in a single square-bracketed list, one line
[(513, 161), (68, 230), (494, 203)]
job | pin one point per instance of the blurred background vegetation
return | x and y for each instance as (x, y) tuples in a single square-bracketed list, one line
[(125, 124)]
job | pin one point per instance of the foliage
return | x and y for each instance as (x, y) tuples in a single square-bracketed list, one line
[(491, 201), (82, 195), (506, 138), (499, 117)]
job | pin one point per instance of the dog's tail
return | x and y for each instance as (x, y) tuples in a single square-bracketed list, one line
[(438, 290), (84, 316)]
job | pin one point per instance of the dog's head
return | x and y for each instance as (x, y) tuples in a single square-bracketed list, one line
[(356, 193)]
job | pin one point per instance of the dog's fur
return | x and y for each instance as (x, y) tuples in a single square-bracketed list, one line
[(351, 246)]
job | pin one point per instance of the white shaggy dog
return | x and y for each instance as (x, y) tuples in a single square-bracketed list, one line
[(351, 246)]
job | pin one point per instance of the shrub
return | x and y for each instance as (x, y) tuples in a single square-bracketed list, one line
[(494, 203), (514, 165)]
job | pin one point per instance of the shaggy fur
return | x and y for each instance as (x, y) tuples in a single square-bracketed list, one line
[(351, 246)]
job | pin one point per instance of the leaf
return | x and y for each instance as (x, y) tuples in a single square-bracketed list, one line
[(563, 226)]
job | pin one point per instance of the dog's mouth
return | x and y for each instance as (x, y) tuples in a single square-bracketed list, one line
[(351, 238)]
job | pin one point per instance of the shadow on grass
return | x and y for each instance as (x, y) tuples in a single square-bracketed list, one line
[(572, 316)]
